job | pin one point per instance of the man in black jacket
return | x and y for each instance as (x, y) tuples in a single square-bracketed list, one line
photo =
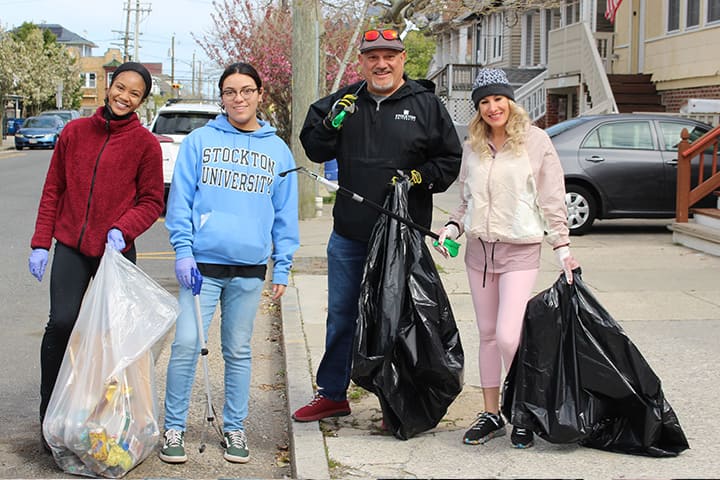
[(373, 128)]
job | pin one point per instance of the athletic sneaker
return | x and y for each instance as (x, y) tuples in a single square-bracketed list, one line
[(236, 449), (521, 437), (486, 427), (173, 449), (321, 407)]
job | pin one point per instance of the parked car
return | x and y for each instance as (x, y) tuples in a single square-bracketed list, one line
[(39, 132), (621, 165), (171, 125), (66, 115)]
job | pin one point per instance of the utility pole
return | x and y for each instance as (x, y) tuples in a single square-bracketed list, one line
[(126, 37), (136, 30), (172, 60), (305, 81), (193, 76), (136, 57)]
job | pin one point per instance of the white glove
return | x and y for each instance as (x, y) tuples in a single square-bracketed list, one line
[(448, 231), (564, 259)]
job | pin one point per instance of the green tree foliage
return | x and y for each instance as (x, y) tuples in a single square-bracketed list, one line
[(33, 66), (420, 50)]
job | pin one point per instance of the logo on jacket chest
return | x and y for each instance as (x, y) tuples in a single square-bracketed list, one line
[(405, 116)]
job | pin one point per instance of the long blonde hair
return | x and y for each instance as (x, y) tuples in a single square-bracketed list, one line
[(516, 129)]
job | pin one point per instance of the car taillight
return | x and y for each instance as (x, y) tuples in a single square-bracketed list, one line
[(163, 138)]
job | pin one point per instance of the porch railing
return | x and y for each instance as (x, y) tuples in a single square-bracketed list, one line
[(687, 194)]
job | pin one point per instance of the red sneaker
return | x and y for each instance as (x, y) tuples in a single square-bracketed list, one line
[(319, 408)]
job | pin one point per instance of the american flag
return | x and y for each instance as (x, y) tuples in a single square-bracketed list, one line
[(611, 9)]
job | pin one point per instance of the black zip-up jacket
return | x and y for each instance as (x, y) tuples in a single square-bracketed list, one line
[(409, 130)]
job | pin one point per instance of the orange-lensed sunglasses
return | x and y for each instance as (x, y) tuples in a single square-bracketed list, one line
[(387, 34)]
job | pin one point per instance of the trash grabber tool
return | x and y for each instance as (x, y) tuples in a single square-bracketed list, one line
[(451, 245), (210, 413), (337, 121)]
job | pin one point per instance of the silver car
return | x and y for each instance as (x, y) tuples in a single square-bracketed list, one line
[(621, 165)]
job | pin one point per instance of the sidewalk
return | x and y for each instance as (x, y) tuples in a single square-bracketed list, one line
[(665, 296), (8, 143)]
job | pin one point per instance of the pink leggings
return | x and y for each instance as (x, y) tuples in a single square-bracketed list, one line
[(499, 312)]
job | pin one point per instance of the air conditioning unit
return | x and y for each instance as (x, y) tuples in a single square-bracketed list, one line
[(700, 105)]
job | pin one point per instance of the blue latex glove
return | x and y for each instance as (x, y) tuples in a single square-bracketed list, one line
[(184, 271), (116, 240), (197, 280), (37, 262)]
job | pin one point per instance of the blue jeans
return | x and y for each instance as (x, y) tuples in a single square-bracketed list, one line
[(239, 298), (346, 260)]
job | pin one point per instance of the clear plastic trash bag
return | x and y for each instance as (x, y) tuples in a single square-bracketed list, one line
[(578, 378), (407, 347), (102, 415)]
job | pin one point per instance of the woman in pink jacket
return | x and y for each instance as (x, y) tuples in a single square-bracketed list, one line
[(512, 196)]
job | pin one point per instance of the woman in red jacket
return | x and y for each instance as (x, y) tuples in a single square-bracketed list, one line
[(104, 186)]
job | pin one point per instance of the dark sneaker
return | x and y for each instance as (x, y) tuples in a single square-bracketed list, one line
[(321, 407), (173, 449), (236, 449), (486, 427), (521, 437)]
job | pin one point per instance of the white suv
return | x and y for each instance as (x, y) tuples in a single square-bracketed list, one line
[(172, 124)]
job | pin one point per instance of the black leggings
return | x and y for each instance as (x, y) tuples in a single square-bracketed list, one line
[(69, 279)]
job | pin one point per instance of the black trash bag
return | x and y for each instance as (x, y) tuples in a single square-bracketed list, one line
[(577, 378), (407, 348)]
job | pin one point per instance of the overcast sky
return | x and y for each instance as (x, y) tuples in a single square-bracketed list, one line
[(103, 22)]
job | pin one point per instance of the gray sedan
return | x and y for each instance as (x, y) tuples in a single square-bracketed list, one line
[(621, 166)]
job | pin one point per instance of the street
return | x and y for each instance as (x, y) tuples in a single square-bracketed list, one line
[(26, 306)]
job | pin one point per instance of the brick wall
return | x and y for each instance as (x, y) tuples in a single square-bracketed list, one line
[(673, 99)]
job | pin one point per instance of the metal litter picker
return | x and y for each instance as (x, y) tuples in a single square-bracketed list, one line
[(210, 413), (451, 245)]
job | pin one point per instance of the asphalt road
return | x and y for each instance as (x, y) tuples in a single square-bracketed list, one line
[(25, 308)]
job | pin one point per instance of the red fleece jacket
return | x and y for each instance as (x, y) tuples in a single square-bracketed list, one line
[(103, 174)]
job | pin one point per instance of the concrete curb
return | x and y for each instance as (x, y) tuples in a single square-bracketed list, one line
[(307, 444)]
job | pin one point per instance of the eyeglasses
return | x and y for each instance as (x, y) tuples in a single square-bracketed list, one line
[(387, 34), (245, 93)]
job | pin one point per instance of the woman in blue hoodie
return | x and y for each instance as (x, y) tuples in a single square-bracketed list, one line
[(228, 213)]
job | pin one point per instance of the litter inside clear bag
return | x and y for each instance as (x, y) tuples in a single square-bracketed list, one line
[(407, 347), (102, 415), (578, 378)]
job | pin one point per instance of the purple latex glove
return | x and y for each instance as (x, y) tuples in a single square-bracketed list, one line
[(37, 262), (184, 271), (116, 240)]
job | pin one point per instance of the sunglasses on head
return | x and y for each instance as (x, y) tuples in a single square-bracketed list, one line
[(387, 34)]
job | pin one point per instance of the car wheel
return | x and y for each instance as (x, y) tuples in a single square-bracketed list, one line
[(18, 147), (582, 209)]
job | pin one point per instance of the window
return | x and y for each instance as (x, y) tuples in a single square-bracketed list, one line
[(692, 15), (496, 37), (673, 20), (88, 80), (625, 135), (481, 43), (182, 123), (571, 12), (713, 12), (671, 134)]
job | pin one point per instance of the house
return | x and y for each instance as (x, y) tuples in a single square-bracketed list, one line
[(567, 59), (96, 71)]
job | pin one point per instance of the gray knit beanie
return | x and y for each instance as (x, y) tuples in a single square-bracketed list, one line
[(491, 81)]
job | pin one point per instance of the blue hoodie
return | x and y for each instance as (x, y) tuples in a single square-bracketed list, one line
[(227, 203)]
